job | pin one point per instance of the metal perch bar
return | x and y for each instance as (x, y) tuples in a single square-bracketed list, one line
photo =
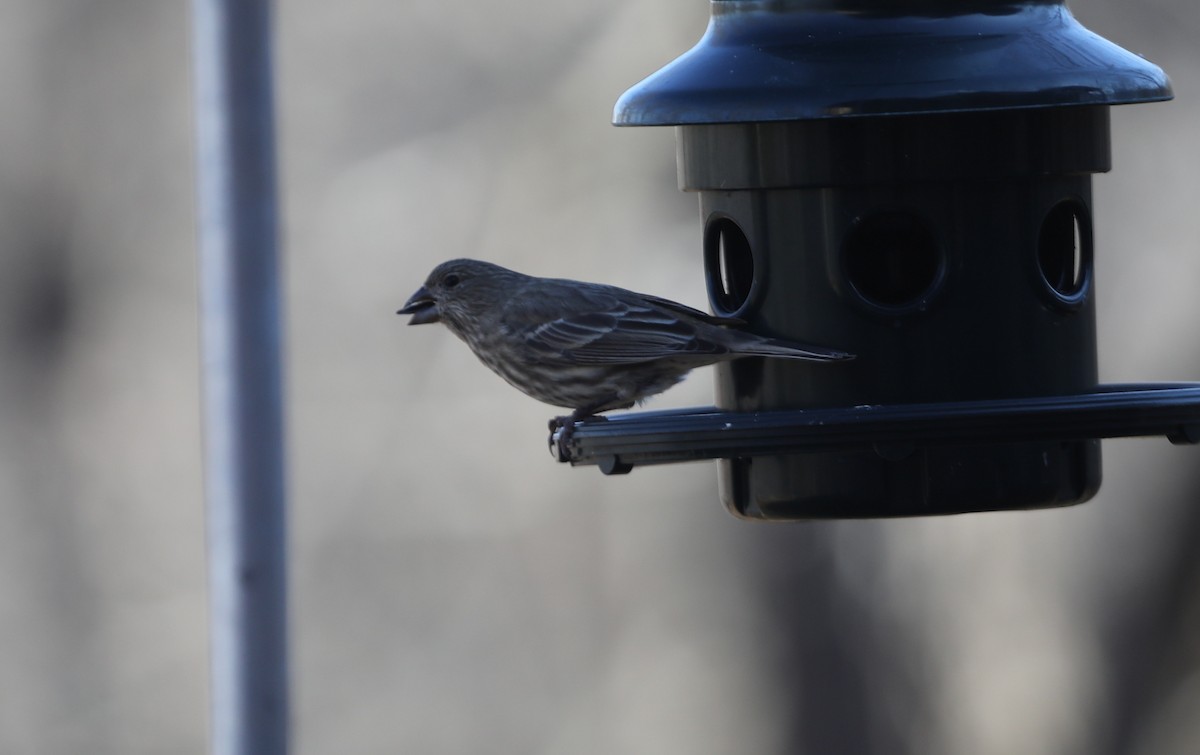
[(620, 442)]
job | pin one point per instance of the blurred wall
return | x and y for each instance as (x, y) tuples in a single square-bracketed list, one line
[(455, 590)]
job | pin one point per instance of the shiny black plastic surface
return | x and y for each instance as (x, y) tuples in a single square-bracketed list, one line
[(945, 237), (929, 456), (801, 59)]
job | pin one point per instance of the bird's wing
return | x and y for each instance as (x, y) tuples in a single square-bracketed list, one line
[(684, 309), (597, 327)]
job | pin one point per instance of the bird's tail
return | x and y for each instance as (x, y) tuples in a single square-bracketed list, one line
[(779, 348)]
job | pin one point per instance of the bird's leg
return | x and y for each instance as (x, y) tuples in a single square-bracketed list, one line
[(562, 428)]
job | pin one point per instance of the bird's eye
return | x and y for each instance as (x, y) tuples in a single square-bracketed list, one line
[(451, 280)]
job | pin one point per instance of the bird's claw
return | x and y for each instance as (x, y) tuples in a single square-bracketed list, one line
[(561, 430)]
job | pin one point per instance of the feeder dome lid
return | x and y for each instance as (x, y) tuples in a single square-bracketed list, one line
[(778, 60)]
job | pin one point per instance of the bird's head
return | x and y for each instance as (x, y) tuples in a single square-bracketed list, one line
[(456, 291)]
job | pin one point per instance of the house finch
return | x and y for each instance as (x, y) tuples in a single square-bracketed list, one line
[(583, 346)]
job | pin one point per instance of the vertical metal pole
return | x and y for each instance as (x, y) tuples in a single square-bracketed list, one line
[(240, 331)]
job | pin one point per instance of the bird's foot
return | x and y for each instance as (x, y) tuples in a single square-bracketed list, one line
[(562, 429)]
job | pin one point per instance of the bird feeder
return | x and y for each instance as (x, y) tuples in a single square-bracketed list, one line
[(910, 182)]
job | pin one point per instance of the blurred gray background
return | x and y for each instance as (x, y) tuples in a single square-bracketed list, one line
[(453, 589)]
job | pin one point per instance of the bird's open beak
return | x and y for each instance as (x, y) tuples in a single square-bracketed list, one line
[(421, 306)]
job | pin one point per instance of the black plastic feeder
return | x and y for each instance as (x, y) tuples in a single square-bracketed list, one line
[(911, 182)]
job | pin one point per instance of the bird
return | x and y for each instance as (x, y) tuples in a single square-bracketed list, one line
[(587, 347)]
